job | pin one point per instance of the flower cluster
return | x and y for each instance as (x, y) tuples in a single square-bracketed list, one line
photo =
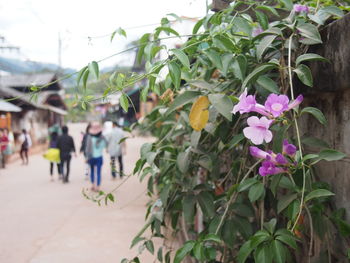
[(275, 105), (301, 9), (274, 163)]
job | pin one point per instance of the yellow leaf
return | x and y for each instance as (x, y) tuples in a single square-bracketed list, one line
[(199, 114)]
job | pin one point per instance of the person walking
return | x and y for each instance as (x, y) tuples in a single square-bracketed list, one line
[(95, 145), (65, 144), (4, 141), (26, 143), (83, 150), (116, 149), (53, 155)]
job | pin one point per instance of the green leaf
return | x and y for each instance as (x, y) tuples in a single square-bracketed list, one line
[(110, 197), (182, 57), (239, 67), (160, 254), (80, 74), (304, 74), (206, 203), (246, 184), (183, 161), (235, 140), (242, 25), (150, 247), (271, 225), (284, 201), (268, 9), (198, 251), (262, 19), (145, 149), (228, 232), (331, 155), (286, 237), (268, 84), (309, 57), (316, 113), (142, 42), (197, 26), (244, 252), (263, 254), (124, 102), (93, 67), (225, 43), (85, 77), (222, 104), (314, 142), (120, 32), (167, 30), (278, 250), (175, 74), (214, 58), (318, 193), (184, 251), (287, 3), (183, 99), (195, 136), (263, 45), (136, 240), (212, 237), (278, 139), (310, 32), (256, 73), (188, 205), (256, 192)]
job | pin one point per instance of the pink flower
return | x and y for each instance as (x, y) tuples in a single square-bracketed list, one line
[(245, 104), (276, 104), (296, 102), (269, 168), (258, 153), (301, 8), (288, 148), (258, 130)]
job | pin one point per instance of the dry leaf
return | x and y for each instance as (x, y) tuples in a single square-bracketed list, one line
[(199, 114)]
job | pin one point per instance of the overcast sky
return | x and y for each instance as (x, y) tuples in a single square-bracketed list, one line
[(34, 25)]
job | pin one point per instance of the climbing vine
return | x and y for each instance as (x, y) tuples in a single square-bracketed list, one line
[(229, 171)]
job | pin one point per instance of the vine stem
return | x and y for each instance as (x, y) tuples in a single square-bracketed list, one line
[(311, 233), (297, 131), (233, 197)]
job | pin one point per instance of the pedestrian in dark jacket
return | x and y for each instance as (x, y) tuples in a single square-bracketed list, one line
[(65, 144), (83, 150)]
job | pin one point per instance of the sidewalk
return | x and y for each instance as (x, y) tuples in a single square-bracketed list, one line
[(48, 222)]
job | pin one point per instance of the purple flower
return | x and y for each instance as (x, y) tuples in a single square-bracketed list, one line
[(269, 168), (296, 102), (281, 160), (245, 104), (258, 130), (257, 31), (301, 8), (276, 104), (258, 153), (288, 148)]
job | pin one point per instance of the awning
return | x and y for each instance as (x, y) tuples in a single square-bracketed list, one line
[(56, 110), (8, 107)]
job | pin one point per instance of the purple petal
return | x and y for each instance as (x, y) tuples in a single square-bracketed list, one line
[(257, 152), (296, 102)]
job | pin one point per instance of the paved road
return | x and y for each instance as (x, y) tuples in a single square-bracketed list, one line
[(48, 222)]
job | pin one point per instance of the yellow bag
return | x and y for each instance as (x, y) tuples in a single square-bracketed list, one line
[(53, 155)]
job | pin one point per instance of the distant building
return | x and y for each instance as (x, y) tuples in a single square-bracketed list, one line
[(39, 110)]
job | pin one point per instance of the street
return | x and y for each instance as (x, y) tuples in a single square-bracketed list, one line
[(48, 221)]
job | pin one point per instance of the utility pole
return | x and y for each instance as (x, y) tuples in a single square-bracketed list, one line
[(59, 51)]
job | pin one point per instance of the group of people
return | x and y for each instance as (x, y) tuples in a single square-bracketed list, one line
[(94, 143), (7, 146)]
